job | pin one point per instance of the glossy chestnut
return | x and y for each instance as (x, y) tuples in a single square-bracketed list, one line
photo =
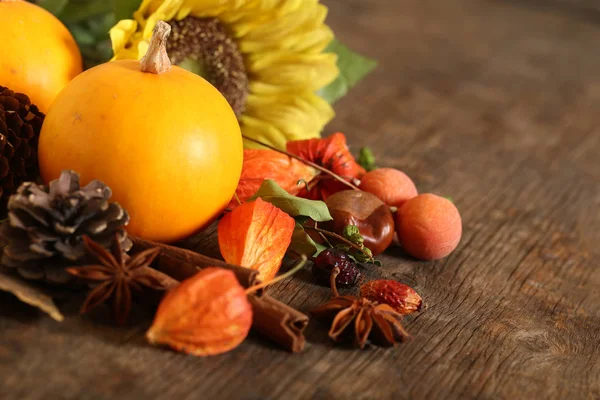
[(365, 210)]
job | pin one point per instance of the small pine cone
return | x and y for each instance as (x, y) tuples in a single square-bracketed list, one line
[(20, 124), (45, 226)]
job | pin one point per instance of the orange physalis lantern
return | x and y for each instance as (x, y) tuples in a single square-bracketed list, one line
[(256, 235), (331, 153), (261, 164), (205, 315)]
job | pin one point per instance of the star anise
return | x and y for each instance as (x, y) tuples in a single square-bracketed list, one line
[(371, 319), (117, 275)]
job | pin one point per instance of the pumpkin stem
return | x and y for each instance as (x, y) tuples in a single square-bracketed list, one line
[(156, 60)]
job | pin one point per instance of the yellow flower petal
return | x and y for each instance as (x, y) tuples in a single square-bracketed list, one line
[(292, 72), (297, 117), (306, 19), (121, 33), (313, 41), (262, 131)]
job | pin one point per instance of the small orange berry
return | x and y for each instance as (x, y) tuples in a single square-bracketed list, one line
[(392, 186), (429, 227)]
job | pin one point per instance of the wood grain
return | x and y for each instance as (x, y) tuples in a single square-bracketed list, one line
[(494, 103)]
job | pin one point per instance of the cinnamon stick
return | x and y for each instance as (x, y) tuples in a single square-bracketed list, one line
[(181, 263), (279, 322)]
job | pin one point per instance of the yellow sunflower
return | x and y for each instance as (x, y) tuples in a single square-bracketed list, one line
[(265, 56)]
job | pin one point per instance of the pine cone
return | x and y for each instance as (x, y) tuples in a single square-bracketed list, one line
[(45, 227), (20, 124)]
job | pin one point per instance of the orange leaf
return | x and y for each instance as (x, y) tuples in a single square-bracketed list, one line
[(256, 235), (331, 153), (205, 315), (261, 164)]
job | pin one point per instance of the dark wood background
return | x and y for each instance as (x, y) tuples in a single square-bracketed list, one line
[(495, 103)]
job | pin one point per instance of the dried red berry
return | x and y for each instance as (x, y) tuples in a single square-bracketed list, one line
[(403, 299), (329, 259)]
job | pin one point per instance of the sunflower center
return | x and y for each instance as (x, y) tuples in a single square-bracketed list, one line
[(203, 46)]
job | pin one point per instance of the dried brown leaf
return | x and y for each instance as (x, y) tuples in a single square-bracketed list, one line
[(31, 294)]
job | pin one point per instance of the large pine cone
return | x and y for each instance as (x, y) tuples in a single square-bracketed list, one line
[(20, 124), (45, 227)]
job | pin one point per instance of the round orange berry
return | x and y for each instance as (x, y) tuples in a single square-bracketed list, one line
[(429, 227), (392, 186)]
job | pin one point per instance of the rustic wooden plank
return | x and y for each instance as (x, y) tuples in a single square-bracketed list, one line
[(492, 103)]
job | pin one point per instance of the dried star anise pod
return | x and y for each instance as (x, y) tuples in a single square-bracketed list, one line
[(117, 275), (371, 320)]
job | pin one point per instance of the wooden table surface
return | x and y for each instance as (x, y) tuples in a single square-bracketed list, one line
[(494, 103)]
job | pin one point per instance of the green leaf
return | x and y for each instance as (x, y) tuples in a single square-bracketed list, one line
[(366, 159), (301, 219), (54, 6), (78, 12), (295, 206), (302, 243), (124, 8), (101, 24), (353, 67), (82, 36)]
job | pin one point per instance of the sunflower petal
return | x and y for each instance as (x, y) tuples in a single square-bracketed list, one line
[(287, 22), (312, 41), (261, 130), (120, 34), (297, 117), (280, 72)]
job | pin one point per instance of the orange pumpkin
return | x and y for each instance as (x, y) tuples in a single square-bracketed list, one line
[(38, 54), (164, 139)]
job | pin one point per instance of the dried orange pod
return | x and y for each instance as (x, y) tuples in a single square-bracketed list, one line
[(261, 164), (331, 153), (205, 315), (256, 235)]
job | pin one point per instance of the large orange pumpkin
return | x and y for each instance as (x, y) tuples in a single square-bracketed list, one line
[(165, 140), (38, 55)]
